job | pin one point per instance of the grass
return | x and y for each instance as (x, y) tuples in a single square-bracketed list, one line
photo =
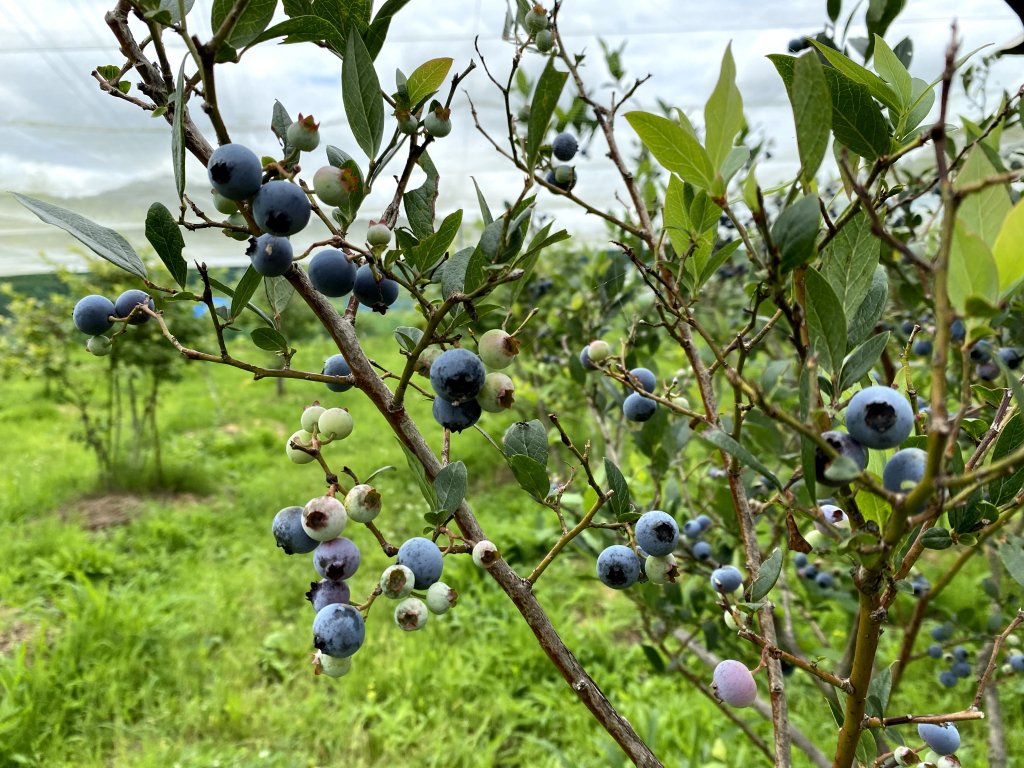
[(167, 630)]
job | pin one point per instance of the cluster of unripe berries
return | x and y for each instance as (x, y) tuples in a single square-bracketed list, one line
[(319, 425), (537, 26), (339, 627), (635, 407), (282, 209), (464, 387), (95, 315)]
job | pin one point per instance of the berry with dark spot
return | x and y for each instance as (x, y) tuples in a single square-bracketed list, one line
[(326, 592), (657, 533), (281, 208), (235, 172), (338, 630), (618, 567), (844, 445), (879, 417), (337, 559)]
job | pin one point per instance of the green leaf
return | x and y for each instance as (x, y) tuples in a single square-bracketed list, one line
[(304, 29), (252, 21), (812, 113), (450, 486), (620, 500), (485, 211), (766, 577), (279, 292), (178, 132), (654, 658), (983, 211), (429, 494), (922, 100), (408, 337), (825, 321), (427, 78), (871, 309), (432, 247), (542, 107), (796, 230), (936, 538), (723, 113), (360, 90), (100, 240), (972, 272), (528, 438), (861, 360), (531, 475), (880, 14), (849, 262), (1003, 489), (419, 203), (857, 122), (891, 68), (165, 237), (858, 75), (676, 149), (453, 273), (244, 290), (381, 23), (833, 8), (269, 339), (725, 442), (1012, 555), (1007, 251)]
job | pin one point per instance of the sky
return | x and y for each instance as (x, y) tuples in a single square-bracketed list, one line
[(61, 139)]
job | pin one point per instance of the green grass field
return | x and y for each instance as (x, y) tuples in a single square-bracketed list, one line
[(167, 630)]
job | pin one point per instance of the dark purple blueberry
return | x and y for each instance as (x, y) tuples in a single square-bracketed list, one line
[(331, 273)]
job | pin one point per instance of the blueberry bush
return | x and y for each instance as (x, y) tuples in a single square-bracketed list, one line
[(784, 421)]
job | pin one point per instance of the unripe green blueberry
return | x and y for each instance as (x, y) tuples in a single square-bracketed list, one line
[(223, 204), (310, 417), (335, 424), (303, 438), (661, 570), (378, 235), (536, 19), (441, 597), (397, 582), (905, 756), (411, 614), (407, 122), (426, 359), (438, 122), (544, 40), (304, 134), (485, 554), (948, 761), (599, 350), (730, 621), (362, 503), (332, 666), (497, 349), (324, 518), (565, 176), (497, 394), (99, 345), (334, 186)]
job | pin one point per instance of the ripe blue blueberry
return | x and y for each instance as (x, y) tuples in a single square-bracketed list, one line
[(800, 560), (825, 580), (331, 273), (618, 567), (288, 532), (335, 365), (705, 522), (904, 470), (585, 359), (957, 331), (457, 375), (564, 147), (808, 572), (844, 445), (281, 208), (702, 550), (733, 684), (920, 585), (656, 533), (456, 418), (942, 632), (987, 371), (128, 300), (947, 678), (423, 558), (91, 314), (1017, 662), (726, 579), (692, 529), (636, 407), (1010, 357), (271, 255), (338, 630), (235, 172), (935, 651), (961, 669), (981, 351), (326, 592), (337, 559), (922, 348), (960, 653), (943, 739), (646, 378), (377, 295), (879, 417)]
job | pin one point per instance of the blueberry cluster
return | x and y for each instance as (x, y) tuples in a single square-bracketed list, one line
[(958, 659), (563, 176), (464, 387), (320, 426), (985, 367), (95, 315), (635, 406)]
